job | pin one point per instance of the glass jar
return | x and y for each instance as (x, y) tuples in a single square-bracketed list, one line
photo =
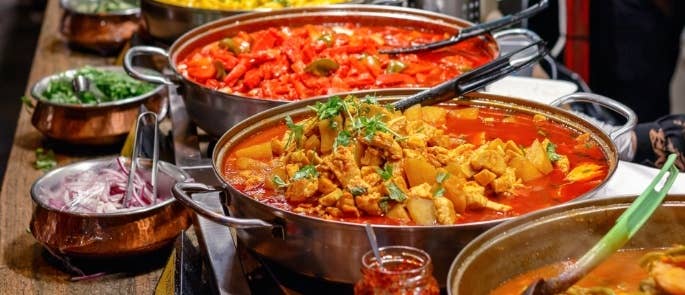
[(405, 270)]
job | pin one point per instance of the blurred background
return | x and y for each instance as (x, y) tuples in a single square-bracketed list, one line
[(591, 44)]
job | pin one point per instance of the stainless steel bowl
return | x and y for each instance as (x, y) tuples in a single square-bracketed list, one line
[(103, 235), (216, 111), (95, 124), (554, 235)]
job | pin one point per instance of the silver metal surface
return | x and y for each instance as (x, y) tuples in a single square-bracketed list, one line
[(215, 111), (331, 250), (515, 247), (603, 101)]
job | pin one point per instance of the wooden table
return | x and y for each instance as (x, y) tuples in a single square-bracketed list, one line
[(23, 269)]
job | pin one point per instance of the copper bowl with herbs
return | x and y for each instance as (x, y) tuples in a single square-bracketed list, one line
[(101, 115)]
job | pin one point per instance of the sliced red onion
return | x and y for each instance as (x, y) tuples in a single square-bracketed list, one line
[(100, 190)]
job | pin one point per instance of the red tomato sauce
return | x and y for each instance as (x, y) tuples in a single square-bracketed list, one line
[(292, 63), (549, 190)]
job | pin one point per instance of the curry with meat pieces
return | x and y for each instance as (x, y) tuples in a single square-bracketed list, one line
[(360, 161)]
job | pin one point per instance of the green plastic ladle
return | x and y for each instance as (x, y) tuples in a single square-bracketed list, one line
[(626, 226)]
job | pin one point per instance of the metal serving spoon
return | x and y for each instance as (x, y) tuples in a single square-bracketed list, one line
[(477, 78), (81, 84), (626, 225), (474, 30)]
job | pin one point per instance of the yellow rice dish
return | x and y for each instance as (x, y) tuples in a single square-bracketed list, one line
[(248, 4)]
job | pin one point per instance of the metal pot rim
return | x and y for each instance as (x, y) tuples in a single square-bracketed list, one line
[(190, 38), (512, 227), (38, 88), (247, 126), (200, 9), (181, 176), (65, 4)]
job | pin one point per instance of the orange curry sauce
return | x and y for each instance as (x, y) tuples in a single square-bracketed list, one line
[(549, 190)]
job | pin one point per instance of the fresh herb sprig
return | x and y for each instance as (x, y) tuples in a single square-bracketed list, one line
[(45, 159), (552, 152), (306, 172), (296, 132)]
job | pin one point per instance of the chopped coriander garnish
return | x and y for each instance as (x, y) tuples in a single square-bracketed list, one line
[(328, 109), (307, 171), (394, 192), (343, 139), (278, 181), (357, 191), (439, 192), (296, 131), (552, 152), (386, 172), (45, 159), (440, 178)]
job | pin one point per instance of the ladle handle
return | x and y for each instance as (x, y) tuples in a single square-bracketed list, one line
[(603, 101), (477, 78), (626, 226), (181, 192)]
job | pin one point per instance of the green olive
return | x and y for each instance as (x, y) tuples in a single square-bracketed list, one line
[(322, 67)]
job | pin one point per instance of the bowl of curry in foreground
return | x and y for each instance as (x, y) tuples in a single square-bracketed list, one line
[(303, 178), (507, 258)]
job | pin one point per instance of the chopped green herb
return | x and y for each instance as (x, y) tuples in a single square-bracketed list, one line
[(394, 192), (307, 171), (383, 204), (278, 181), (552, 152), (343, 139), (113, 85), (370, 99), (296, 131), (386, 172), (357, 191), (27, 101), (439, 192), (45, 159), (370, 126), (328, 109), (440, 178)]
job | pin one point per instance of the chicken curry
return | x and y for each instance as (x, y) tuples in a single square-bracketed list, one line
[(357, 160), (629, 272)]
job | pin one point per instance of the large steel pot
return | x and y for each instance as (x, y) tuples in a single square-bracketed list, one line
[(216, 111), (166, 22), (331, 249), (553, 235)]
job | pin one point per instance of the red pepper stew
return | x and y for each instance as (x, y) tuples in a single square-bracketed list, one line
[(292, 63), (554, 188)]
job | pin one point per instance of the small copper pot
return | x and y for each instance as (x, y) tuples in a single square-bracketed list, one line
[(96, 124), (102, 33), (107, 235)]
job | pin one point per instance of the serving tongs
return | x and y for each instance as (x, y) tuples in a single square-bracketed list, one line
[(475, 30), (626, 226), (135, 155), (477, 78)]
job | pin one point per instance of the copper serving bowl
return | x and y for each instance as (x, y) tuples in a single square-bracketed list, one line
[(104, 33), (94, 124), (106, 235)]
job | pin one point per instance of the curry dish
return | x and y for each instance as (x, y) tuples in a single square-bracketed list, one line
[(629, 272), (360, 161)]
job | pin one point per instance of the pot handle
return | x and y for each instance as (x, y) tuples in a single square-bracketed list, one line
[(135, 73), (619, 108), (181, 192)]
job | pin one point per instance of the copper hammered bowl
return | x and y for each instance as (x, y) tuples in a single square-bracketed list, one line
[(107, 235)]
